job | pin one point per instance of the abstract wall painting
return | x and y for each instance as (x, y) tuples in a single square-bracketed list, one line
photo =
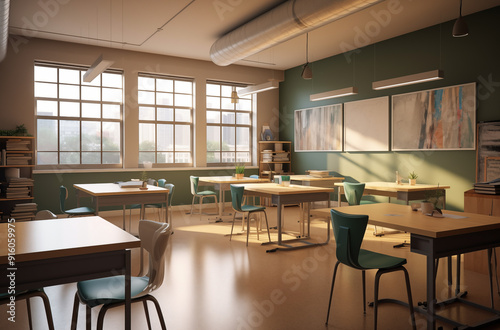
[(319, 129), (437, 119), (366, 125)]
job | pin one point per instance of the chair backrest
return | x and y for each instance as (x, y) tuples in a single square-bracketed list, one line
[(63, 195), (254, 176), (161, 183), (171, 188), (353, 192), (152, 182), (45, 214), (237, 197), (154, 238), (193, 180), (349, 230)]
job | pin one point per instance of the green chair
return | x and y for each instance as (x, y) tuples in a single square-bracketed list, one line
[(159, 206), (236, 201), (110, 291), (78, 211), (27, 295), (349, 231), (193, 180), (353, 192)]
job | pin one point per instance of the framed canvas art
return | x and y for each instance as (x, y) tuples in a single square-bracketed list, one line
[(366, 125), (318, 129), (437, 119)]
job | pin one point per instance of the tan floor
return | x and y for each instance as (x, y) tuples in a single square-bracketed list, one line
[(212, 283)]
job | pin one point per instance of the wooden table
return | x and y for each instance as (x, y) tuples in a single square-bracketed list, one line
[(59, 251), (222, 184), (402, 191), (293, 194), (309, 180), (456, 233), (111, 194)]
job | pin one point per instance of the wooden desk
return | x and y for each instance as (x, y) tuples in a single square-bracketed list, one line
[(456, 233), (402, 191), (110, 194), (222, 184), (308, 180), (59, 251), (293, 194)]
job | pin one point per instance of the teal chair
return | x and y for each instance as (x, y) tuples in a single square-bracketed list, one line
[(353, 192), (349, 231), (110, 291), (78, 211), (27, 295), (193, 180), (160, 183), (236, 201)]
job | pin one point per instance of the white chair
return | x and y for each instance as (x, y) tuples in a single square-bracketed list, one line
[(110, 291)]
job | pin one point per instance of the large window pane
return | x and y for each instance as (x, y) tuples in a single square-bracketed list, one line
[(69, 158), (213, 117), (111, 158), (146, 83), (182, 137), (91, 136), (165, 114), (183, 115), (91, 110), (164, 98), (111, 140), (47, 158), (111, 95), (243, 118), (213, 102), (165, 138), (111, 111), (147, 137), (182, 100), (90, 93), (43, 73), (242, 139), (164, 85), (91, 157), (213, 138), (184, 87), (69, 139), (69, 109), (69, 92), (213, 89), (146, 113), (146, 97), (69, 76), (46, 108), (45, 90), (47, 132), (112, 80)]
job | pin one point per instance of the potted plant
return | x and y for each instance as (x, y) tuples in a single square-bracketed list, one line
[(433, 201), (239, 170), (412, 178), (144, 179)]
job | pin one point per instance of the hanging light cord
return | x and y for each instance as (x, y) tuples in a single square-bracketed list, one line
[(307, 48)]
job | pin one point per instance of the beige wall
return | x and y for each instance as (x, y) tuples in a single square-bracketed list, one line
[(16, 85)]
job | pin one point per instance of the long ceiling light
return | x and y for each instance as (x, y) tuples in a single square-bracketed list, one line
[(99, 66), (273, 84), (408, 80), (334, 94)]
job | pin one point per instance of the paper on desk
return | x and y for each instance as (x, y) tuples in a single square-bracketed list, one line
[(392, 215), (454, 216)]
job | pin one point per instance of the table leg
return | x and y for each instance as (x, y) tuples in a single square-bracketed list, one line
[(128, 309), (431, 292), (278, 219), (339, 195)]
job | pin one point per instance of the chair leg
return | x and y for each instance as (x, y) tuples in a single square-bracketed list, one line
[(28, 307), (375, 299), (363, 278), (146, 311), (48, 311), (192, 203), (88, 317), (74, 318), (232, 226), (100, 317), (490, 273), (248, 225), (158, 311), (410, 299), (331, 291), (267, 225)]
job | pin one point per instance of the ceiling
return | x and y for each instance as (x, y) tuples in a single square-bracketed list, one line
[(188, 28)]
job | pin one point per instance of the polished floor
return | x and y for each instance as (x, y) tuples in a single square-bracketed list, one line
[(212, 283)]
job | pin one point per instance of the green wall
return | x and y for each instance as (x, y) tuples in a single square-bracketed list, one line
[(474, 58), (47, 184)]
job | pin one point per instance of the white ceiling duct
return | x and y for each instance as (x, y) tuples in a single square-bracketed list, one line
[(4, 27), (280, 24)]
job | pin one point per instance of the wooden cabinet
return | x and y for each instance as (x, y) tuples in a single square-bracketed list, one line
[(274, 156), (481, 204), (16, 177)]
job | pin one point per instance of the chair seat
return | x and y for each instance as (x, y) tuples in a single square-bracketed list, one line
[(109, 289), (205, 193), (252, 208), (80, 210), (374, 260)]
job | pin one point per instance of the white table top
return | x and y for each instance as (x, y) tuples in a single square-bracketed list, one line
[(102, 189)]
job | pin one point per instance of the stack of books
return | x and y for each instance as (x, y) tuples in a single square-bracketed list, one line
[(491, 188), (280, 157), (18, 159), (18, 188), (267, 156), (319, 174), (24, 211), (17, 144)]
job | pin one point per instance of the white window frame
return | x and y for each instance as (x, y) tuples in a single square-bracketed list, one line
[(79, 118)]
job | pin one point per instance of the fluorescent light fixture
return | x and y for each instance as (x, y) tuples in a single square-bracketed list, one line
[(273, 84), (99, 66), (408, 80), (333, 94)]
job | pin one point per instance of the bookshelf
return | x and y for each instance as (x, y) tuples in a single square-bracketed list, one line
[(274, 156), (16, 177)]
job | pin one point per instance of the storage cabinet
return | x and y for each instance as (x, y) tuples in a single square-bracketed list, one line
[(275, 157), (16, 177), (481, 204)]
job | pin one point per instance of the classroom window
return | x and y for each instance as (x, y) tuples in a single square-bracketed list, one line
[(229, 125), (165, 120), (78, 124)]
